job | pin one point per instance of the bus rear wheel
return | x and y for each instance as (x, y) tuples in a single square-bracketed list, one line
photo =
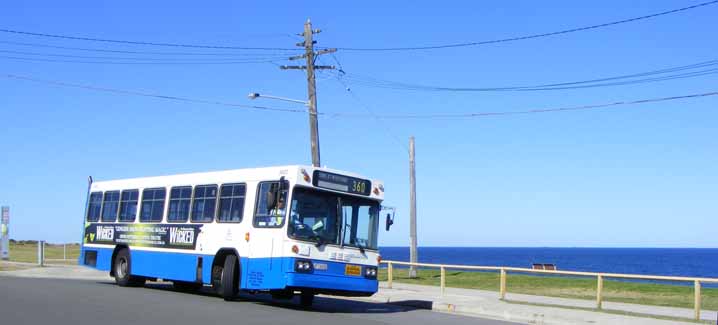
[(229, 278), (122, 267)]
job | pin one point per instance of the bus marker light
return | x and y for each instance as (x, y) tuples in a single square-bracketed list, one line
[(295, 249), (246, 237), (376, 191), (378, 259), (306, 176)]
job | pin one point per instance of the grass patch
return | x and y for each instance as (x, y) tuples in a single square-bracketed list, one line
[(565, 287), (28, 253), (9, 267)]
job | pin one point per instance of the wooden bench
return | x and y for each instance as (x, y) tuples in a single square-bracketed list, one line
[(543, 266)]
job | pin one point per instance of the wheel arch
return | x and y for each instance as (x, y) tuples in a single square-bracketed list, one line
[(222, 254)]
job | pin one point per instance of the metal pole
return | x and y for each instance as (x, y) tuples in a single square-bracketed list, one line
[(390, 275), (312, 91), (697, 299), (502, 284), (443, 280), (64, 251), (413, 254), (41, 253), (5, 233), (599, 292)]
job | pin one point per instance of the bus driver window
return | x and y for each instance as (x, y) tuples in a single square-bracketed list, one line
[(271, 205)]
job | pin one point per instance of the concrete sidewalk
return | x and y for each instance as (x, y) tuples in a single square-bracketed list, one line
[(531, 309), (56, 271), (518, 308)]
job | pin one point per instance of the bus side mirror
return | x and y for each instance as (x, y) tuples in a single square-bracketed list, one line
[(283, 185), (389, 221)]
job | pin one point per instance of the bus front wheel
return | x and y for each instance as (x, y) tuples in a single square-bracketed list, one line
[(229, 281), (122, 266)]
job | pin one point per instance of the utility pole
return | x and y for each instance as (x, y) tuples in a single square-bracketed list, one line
[(310, 56), (413, 256)]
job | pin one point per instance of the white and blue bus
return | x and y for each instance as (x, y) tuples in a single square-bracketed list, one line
[(283, 230)]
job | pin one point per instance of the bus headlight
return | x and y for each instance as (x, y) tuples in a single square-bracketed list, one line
[(370, 272), (303, 266)]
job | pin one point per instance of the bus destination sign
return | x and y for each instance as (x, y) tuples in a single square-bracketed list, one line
[(342, 183)]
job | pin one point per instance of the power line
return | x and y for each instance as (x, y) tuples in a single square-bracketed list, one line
[(134, 63), (634, 78), (229, 60), (349, 115), (151, 95), (529, 111), (526, 37), (228, 54), (412, 48), (92, 39), (370, 111)]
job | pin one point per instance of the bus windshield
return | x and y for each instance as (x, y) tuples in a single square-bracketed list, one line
[(331, 218)]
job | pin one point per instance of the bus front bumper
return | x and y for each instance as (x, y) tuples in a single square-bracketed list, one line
[(332, 284)]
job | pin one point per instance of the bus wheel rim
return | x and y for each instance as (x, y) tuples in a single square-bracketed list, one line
[(122, 267)]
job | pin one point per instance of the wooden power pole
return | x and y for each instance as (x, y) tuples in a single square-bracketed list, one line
[(310, 56), (413, 254)]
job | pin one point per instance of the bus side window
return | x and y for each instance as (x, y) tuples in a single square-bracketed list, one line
[(95, 206), (153, 204), (204, 203), (110, 205), (180, 198), (271, 208), (128, 205), (231, 202)]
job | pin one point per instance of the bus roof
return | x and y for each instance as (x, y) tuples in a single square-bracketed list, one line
[(293, 173)]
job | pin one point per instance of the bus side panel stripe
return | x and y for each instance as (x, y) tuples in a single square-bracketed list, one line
[(171, 266)]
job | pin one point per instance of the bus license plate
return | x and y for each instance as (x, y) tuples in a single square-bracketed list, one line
[(352, 270)]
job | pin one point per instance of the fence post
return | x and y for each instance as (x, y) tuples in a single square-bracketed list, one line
[(599, 292), (390, 274), (697, 299), (443, 280), (41, 252), (502, 284)]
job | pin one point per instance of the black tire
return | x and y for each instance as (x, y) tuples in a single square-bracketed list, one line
[(122, 266), (187, 286), (230, 278), (306, 299)]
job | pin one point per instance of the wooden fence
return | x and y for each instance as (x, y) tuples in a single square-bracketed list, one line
[(599, 278)]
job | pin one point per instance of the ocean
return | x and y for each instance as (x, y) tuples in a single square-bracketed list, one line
[(693, 262)]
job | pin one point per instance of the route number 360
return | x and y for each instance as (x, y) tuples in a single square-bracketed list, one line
[(358, 187)]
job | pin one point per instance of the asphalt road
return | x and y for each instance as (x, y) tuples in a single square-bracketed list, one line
[(55, 301)]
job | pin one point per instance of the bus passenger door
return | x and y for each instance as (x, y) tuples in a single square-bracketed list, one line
[(264, 268)]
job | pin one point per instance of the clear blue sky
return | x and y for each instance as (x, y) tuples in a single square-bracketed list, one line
[(626, 176)]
